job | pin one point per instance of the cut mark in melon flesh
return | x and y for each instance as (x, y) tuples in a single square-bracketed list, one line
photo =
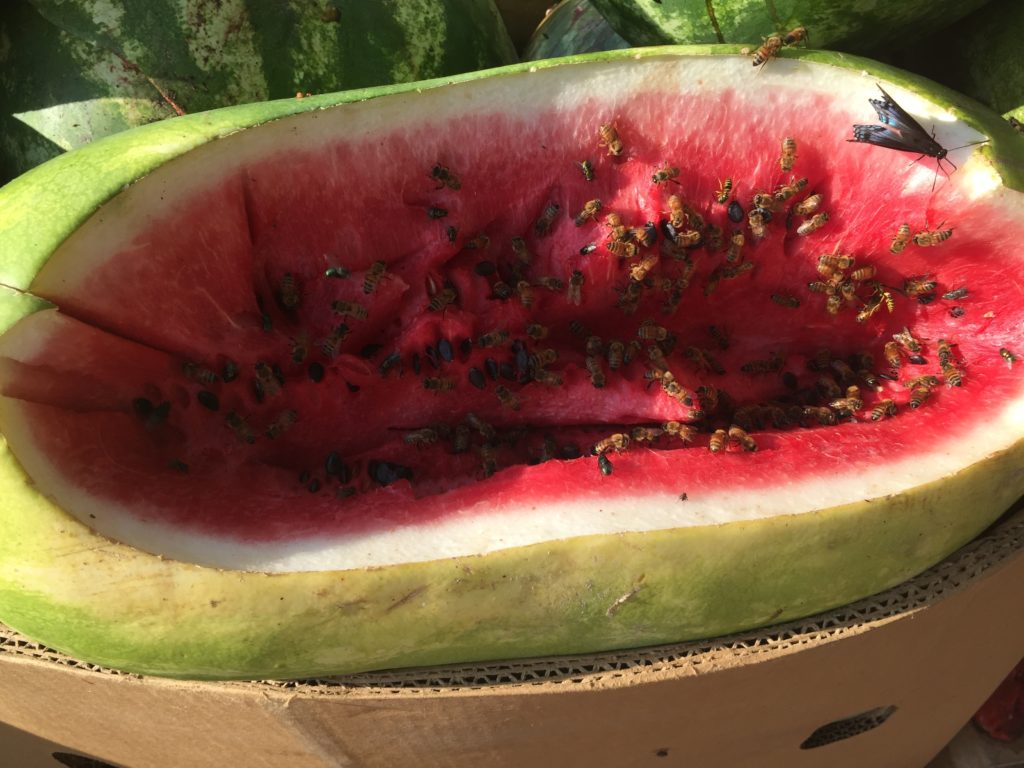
[(191, 266)]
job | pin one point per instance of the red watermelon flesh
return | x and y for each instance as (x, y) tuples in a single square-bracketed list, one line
[(189, 270)]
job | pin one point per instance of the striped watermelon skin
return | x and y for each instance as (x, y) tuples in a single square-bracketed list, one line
[(77, 71), (843, 25)]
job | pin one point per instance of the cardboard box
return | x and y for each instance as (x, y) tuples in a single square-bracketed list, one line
[(887, 681)]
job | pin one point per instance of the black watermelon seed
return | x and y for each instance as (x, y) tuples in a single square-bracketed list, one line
[(345, 491), (389, 362), (431, 355), (789, 380), (485, 268), (158, 415), (465, 348), (304, 476), (386, 472), (316, 372), (476, 378), (314, 485), (436, 212), (278, 373), (257, 390), (179, 466), (208, 399), (507, 371), (926, 298), (957, 311), (491, 366), (735, 212), (417, 368), (444, 349), (452, 233), (332, 464), (229, 372), (571, 451), (370, 350), (353, 388), (917, 360)]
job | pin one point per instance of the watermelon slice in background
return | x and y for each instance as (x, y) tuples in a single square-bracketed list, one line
[(73, 70), (148, 441), (572, 26), (1002, 715), (845, 25)]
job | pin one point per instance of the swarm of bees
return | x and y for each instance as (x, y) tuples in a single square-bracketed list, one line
[(545, 345)]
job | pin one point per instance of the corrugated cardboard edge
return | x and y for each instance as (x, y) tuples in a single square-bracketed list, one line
[(617, 668)]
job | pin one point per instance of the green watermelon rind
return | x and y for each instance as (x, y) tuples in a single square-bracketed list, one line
[(114, 605)]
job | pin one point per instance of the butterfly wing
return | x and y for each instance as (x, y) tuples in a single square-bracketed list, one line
[(898, 131), (881, 136)]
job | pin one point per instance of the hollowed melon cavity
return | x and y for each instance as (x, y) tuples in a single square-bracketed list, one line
[(117, 404)]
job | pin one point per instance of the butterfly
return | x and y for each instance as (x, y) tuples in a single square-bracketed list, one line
[(900, 131)]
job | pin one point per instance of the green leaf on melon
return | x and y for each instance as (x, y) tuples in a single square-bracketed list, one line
[(166, 244), (76, 70)]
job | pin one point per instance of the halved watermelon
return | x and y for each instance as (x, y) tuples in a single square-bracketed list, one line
[(318, 394)]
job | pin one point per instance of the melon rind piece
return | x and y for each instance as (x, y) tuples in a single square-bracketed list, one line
[(113, 604)]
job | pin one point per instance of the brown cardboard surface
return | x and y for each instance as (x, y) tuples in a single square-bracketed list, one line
[(934, 648)]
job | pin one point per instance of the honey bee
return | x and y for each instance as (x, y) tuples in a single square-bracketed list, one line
[(536, 331), (651, 332), (916, 286), (350, 309), (788, 156), (704, 361), (756, 222), (833, 304), (488, 460), (240, 427), (578, 329), (475, 422), (813, 224), (544, 376), (820, 414), (618, 230), (544, 224), (740, 436), (891, 351), (590, 209), (493, 339), (199, 374), (656, 356), (644, 236), (439, 383), (827, 387), (609, 137), (708, 396), (846, 406), (266, 383), (597, 377), (945, 350), (639, 270), (616, 351), (299, 349), (758, 367), (645, 434), (479, 242), (1008, 356), (883, 409), (808, 205), (684, 432), (688, 238), (442, 299), (863, 273), (719, 441), (616, 442), (676, 213), (622, 249), (288, 291), (525, 292), (329, 345), (844, 371), (508, 399), (551, 283), (792, 302), (764, 201), (836, 260), (501, 290), (587, 169), (721, 195), (574, 294), (902, 238), (460, 442), (521, 252), (720, 335), (927, 238), (869, 309), (906, 340), (373, 276), (769, 48), (665, 173), (794, 36), (446, 178), (736, 270), (420, 437), (928, 380), (918, 396), (281, 424)]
